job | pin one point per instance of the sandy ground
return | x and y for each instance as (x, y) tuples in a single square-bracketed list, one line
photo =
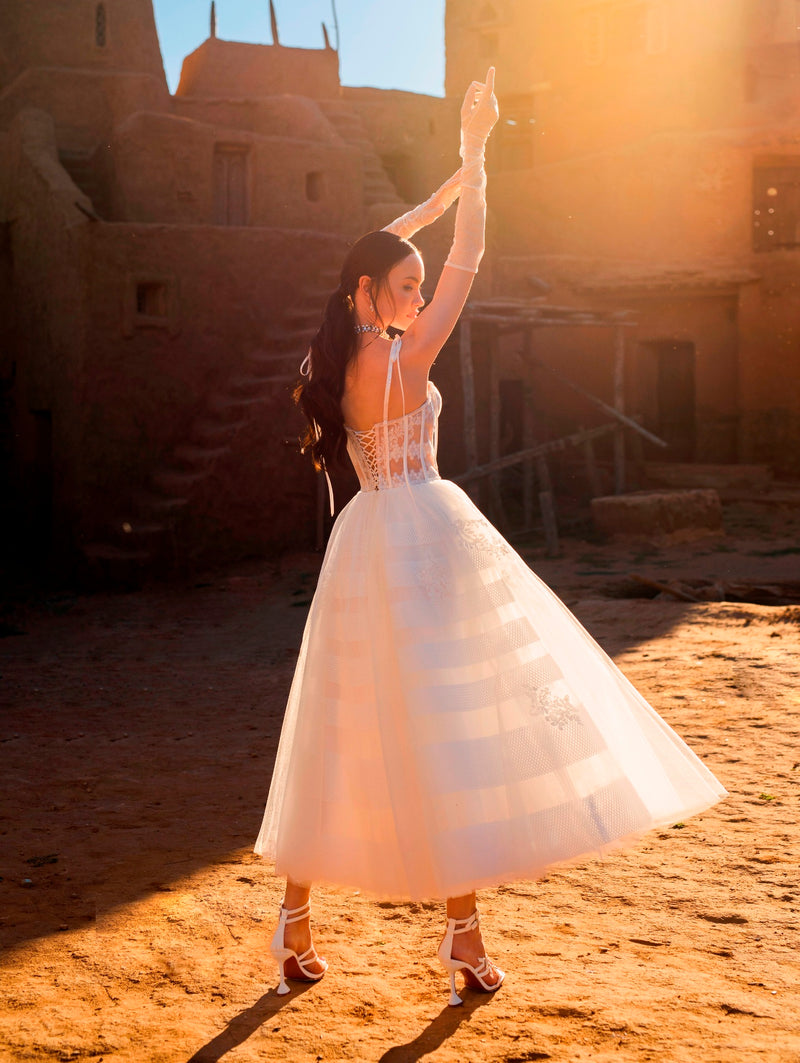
[(138, 733)]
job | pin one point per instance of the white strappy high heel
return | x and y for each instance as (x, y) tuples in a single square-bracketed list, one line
[(475, 977), (281, 953)]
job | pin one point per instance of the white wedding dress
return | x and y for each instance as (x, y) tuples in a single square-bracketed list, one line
[(451, 724)]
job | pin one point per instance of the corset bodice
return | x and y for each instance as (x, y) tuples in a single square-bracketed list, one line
[(399, 450)]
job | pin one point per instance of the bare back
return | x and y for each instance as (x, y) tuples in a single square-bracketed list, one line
[(365, 383)]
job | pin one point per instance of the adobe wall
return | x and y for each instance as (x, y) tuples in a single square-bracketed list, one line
[(667, 199), (122, 394), (416, 136), (276, 116), (709, 322), (165, 172), (7, 344), (49, 274), (142, 386), (604, 74), (85, 105), (770, 366), (645, 123), (220, 69), (36, 34)]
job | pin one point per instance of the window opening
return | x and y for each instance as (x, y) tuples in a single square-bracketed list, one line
[(100, 26), (151, 299), (776, 207), (314, 186)]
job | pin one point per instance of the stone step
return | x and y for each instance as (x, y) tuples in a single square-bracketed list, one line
[(250, 385), (168, 507), (261, 357), (209, 430), (195, 457), (281, 363), (233, 403), (106, 566), (109, 552), (177, 483)]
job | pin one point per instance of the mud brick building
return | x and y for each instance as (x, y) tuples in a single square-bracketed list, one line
[(649, 159), (162, 262), (163, 258)]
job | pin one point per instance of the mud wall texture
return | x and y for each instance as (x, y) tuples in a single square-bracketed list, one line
[(148, 378), (118, 34), (179, 171), (230, 69), (646, 158), (131, 333)]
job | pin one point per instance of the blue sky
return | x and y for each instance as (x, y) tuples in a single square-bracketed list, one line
[(390, 46)]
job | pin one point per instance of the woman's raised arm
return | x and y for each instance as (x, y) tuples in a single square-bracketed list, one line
[(426, 336)]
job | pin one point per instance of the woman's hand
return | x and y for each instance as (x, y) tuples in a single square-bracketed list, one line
[(479, 111), (428, 334)]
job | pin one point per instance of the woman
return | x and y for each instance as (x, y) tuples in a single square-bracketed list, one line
[(450, 724)]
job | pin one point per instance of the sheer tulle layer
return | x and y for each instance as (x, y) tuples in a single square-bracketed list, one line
[(450, 723)]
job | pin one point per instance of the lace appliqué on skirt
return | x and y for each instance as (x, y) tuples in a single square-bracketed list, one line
[(480, 538), (433, 578), (557, 709)]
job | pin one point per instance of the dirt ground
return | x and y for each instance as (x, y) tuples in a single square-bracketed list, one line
[(138, 733)]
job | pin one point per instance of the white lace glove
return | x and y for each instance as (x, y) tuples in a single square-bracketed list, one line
[(479, 114), (427, 212)]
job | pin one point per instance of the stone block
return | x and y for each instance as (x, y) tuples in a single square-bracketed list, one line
[(674, 515)]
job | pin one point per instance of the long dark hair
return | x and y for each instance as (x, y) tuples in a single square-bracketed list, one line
[(319, 394)]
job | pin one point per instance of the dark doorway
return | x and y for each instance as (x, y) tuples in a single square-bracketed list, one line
[(668, 395), (231, 191), (40, 537)]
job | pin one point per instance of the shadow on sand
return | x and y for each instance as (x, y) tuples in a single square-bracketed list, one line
[(438, 1030), (245, 1024)]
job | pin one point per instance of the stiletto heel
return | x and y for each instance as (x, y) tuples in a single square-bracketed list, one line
[(281, 953), (475, 977)]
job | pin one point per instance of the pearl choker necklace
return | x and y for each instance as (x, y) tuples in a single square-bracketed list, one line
[(370, 328)]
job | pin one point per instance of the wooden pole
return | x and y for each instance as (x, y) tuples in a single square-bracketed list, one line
[(494, 436), (468, 390), (547, 506), (592, 474), (553, 447), (273, 18), (619, 406), (528, 477), (610, 410)]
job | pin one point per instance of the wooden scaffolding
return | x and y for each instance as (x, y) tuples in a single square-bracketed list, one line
[(505, 317)]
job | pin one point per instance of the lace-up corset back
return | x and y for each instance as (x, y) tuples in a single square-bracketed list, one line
[(400, 450)]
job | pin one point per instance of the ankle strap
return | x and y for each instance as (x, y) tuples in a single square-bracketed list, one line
[(462, 926), (294, 915)]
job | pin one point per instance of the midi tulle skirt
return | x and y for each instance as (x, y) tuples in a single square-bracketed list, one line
[(451, 724)]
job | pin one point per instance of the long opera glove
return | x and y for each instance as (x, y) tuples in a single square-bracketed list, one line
[(427, 212), (479, 114)]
